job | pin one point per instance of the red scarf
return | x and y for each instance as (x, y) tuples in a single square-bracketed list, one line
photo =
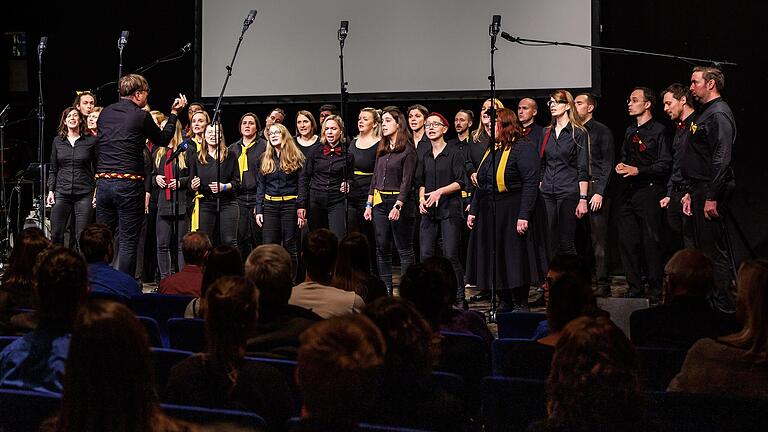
[(168, 172)]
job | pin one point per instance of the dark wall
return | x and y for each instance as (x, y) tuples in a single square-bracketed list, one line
[(82, 54)]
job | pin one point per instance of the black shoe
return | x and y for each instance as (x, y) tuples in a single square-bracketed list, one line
[(481, 296), (504, 307)]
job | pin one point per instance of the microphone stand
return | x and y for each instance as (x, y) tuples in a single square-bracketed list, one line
[(120, 46), (492, 143), (3, 207), (40, 132), (342, 35), (216, 113), (179, 53)]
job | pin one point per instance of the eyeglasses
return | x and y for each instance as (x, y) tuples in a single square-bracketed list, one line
[(555, 102), (274, 133), (433, 125)]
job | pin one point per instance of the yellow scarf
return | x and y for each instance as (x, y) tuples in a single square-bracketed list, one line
[(196, 207), (243, 159)]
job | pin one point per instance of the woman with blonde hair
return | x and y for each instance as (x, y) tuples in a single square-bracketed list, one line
[(363, 148), (171, 176), (217, 191), (278, 188), (565, 172)]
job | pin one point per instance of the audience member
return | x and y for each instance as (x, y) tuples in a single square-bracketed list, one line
[(315, 293), (279, 323), (109, 383), (194, 246), (96, 246), (432, 289), (568, 298), (686, 315), (221, 261), (737, 364), (16, 285), (221, 378), (594, 384), (407, 396), (353, 269), (562, 264), (338, 372), (36, 361)]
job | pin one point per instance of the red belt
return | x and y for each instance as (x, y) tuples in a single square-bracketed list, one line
[(119, 176)]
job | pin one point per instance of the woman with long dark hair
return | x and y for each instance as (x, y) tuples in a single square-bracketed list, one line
[(16, 288), (221, 377), (205, 172), (171, 176), (248, 150), (278, 188), (353, 269), (109, 382), (389, 202), (507, 181), (324, 181), (565, 176), (219, 262), (71, 176)]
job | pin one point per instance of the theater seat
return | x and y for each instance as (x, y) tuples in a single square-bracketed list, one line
[(521, 358), (187, 334), (511, 404), (152, 328), (22, 410), (466, 355), (657, 366), (161, 307), (208, 416), (164, 360), (519, 325), (287, 369)]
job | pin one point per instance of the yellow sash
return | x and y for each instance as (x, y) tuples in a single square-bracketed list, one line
[(501, 168), (242, 161), (377, 196), (196, 213)]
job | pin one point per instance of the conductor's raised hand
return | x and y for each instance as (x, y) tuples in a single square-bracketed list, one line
[(178, 104)]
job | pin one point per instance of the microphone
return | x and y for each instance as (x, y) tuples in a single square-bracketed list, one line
[(495, 25), (179, 150), (123, 39), (186, 48), (249, 19), (343, 30), (42, 45), (505, 35)]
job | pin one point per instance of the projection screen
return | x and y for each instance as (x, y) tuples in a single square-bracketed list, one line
[(394, 46)]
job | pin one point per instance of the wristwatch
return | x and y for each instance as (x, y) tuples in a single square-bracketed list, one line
[(397, 207)]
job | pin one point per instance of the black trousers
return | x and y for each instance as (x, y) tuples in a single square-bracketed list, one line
[(120, 205), (598, 226), (640, 220), (249, 234), (280, 227), (448, 230), (680, 225), (387, 231), (82, 207), (358, 223), (164, 227), (228, 218), (561, 221), (327, 210), (711, 237)]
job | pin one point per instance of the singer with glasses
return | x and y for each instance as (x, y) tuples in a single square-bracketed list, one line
[(70, 179), (204, 181), (248, 150), (306, 132), (324, 181), (171, 174), (565, 172), (440, 179), (507, 181), (278, 187), (389, 204)]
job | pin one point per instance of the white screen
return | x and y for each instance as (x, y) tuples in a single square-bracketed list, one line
[(393, 46)]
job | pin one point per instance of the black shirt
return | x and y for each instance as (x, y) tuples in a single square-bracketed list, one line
[(601, 155), (646, 147), (394, 172), (521, 173), (230, 173), (324, 171), (72, 167), (165, 205), (708, 158), (123, 132), (423, 147), (534, 132), (565, 161), (474, 153), (365, 162), (304, 149), (277, 183), (435, 172), (246, 193), (680, 143)]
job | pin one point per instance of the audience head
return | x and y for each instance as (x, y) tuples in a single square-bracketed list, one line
[(569, 298), (61, 286), (231, 310), (108, 384), (269, 268), (426, 286), (27, 247), (688, 273), (567, 264), (353, 264), (319, 252), (195, 246), (96, 243), (221, 261), (350, 349), (412, 346), (752, 307), (593, 383)]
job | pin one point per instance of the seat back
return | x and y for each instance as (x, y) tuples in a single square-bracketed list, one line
[(521, 358), (161, 307), (187, 334), (108, 296), (287, 369), (511, 404), (519, 325), (7, 340), (466, 356), (209, 416), (164, 359), (22, 410), (152, 328), (658, 366)]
